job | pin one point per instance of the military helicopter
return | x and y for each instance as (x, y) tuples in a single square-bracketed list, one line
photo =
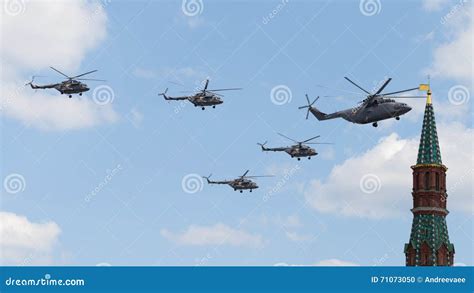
[(70, 86), (376, 107), (203, 98), (241, 183), (299, 150)]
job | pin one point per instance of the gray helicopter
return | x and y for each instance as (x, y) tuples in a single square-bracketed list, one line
[(70, 86), (374, 108), (203, 98), (299, 150), (241, 183)]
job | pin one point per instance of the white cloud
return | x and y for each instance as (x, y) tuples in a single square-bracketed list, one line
[(387, 173), (35, 42), (23, 242), (218, 234), (52, 35), (333, 262), (453, 59), (54, 112)]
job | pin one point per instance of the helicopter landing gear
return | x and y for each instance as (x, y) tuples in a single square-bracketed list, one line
[(241, 191), (213, 107), (70, 96), (397, 118), (299, 159), (309, 158), (375, 124), (250, 190), (203, 108), (80, 94)]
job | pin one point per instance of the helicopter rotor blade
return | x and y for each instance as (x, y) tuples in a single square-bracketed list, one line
[(319, 143), (91, 79), (382, 87), (288, 137), (246, 172), (83, 74), (357, 85), (229, 89), (399, 92), (253, 176), (311, 138), (405, 97), (59, 72), (205, 86)]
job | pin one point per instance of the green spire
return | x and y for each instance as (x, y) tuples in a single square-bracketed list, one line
[(432, 230), (428, 152)]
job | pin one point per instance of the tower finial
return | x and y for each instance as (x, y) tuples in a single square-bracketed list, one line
[(426, 87)]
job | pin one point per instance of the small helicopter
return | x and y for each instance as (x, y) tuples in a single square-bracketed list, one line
[(203, 98), (374, 108), (70, 86), (299, 150), (241, 183)]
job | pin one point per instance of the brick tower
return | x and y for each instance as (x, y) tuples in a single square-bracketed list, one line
[(429, 241)]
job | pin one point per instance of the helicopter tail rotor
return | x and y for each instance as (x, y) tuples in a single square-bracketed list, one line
[(262, 145), (31, 82), (309, 106), (207, 178), (164, 94)]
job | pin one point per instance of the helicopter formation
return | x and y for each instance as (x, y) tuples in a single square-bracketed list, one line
[(377, 106)]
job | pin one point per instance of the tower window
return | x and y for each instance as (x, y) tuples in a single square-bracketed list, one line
[(437, 181), (427, 180)]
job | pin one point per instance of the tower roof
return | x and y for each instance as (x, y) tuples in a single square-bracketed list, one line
[(428, 151)]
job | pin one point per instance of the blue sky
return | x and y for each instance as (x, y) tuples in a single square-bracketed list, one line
[(101, 182)]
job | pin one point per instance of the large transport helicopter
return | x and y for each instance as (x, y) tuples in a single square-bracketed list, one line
[(70, 86), (299, 150), (241, 183), (203, 98), (376, 107)]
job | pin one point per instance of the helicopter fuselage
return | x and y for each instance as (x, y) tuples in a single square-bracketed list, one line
[(301, 151), (242, 184), (71, 87), (380, 109), (200, 100)]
